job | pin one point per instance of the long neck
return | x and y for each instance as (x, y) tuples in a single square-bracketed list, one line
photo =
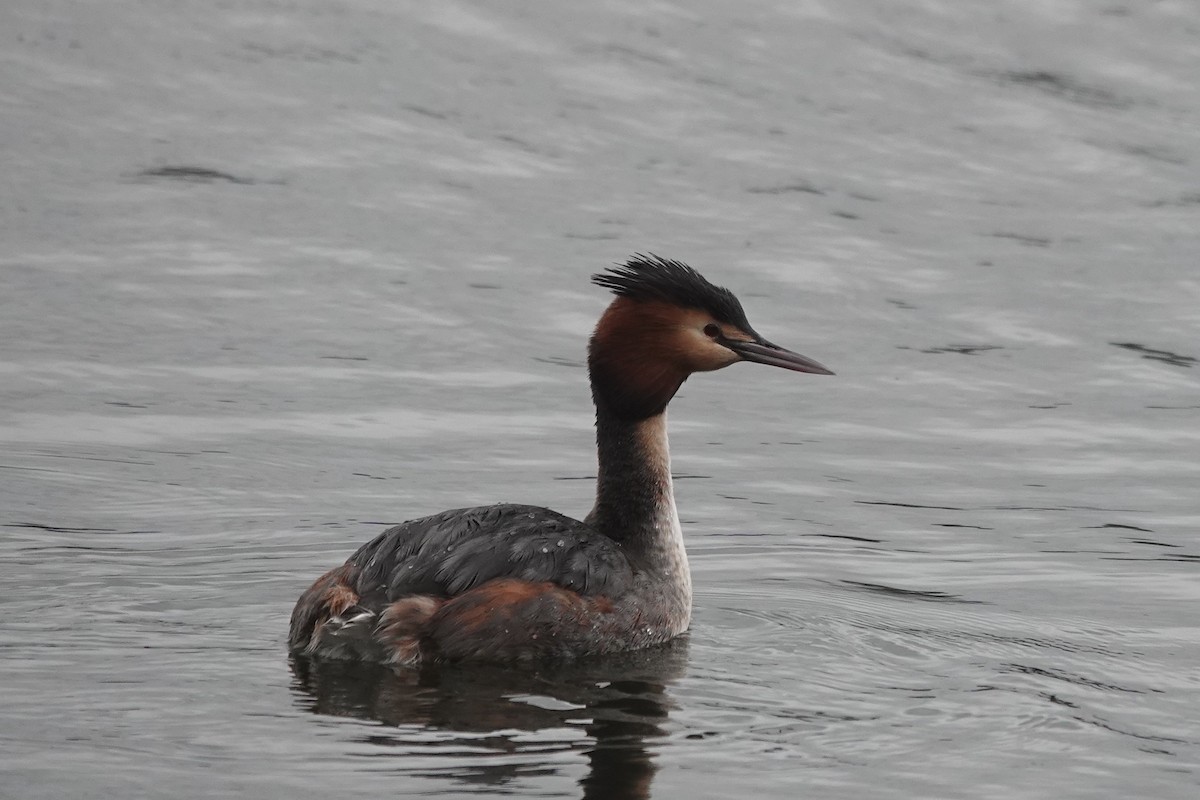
[(635, 501)]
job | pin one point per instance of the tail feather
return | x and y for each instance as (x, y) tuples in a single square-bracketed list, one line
[(348, 635), (332, 621)]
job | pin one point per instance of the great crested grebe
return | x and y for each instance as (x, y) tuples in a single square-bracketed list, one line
[(514, 583)]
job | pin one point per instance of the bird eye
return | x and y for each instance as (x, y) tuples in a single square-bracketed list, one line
[(712, 330)]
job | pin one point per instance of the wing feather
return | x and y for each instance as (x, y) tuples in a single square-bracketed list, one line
[(455, 551)]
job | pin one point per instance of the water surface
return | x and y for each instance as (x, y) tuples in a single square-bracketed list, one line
[(273, 276)]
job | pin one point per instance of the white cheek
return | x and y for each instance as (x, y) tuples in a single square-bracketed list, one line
[(727, 356), (701, 354), (714, 356)]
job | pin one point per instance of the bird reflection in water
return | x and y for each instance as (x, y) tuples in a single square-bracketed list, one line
[(619, 704)]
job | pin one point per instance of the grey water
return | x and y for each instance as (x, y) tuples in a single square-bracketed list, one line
[(274, 275)]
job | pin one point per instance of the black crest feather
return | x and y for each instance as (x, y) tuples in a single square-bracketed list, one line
[(649, 277)]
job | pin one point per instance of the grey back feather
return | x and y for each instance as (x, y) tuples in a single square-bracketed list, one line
[(455, 551)]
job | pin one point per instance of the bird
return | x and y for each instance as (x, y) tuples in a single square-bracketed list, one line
[(510, 583)]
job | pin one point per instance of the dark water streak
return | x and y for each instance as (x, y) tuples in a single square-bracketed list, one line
[(617, 704)]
